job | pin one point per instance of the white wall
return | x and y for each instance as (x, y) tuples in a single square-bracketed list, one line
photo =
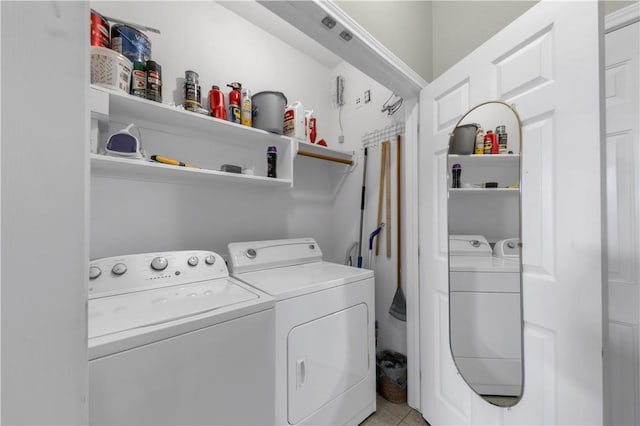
[(404, 27), (44, 202), (222, 47), (461, 26), (346, 209)]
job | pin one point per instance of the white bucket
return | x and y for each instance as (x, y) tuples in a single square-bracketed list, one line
[(110, 69)]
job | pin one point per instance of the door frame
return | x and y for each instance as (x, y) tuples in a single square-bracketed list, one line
[(612, 22)]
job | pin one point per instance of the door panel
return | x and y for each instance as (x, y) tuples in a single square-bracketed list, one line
[(546, 64), (318, 368)]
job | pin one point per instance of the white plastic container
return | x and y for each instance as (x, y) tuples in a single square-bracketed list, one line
[(110, 69), (294, 121)]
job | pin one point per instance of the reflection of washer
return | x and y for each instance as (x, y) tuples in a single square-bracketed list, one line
[(486, 334), (174, 340), (325, 371)]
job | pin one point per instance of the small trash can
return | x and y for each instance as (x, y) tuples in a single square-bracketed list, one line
[(392, 376)]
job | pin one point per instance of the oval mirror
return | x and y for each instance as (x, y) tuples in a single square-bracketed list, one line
[(485, 268)]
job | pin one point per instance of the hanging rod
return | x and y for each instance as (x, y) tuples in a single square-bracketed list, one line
[(324, 157)]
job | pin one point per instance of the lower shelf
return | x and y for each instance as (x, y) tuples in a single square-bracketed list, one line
[(122, 168)]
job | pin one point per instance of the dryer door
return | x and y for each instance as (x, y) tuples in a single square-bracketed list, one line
[(318, 367)]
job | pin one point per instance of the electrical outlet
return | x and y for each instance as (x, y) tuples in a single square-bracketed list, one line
[(359, 102)]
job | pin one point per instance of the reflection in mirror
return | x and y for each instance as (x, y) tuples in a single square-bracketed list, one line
[(485, 268)]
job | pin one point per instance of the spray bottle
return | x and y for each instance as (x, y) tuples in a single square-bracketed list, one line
[(310, 126)]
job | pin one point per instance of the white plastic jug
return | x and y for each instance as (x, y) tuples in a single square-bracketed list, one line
[(294, 121)]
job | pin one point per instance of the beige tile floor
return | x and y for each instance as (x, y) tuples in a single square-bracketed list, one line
[(390, 414)]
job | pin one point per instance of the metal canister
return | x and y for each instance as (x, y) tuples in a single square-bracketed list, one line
[(501, 131), (139, 80), (99, 30), (132, 43), (192, 97), (154, 81)]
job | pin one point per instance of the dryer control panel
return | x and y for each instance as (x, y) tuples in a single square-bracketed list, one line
[(136, 272), (258, 255)]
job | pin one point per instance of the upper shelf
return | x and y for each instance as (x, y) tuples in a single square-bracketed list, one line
[(107, 103)]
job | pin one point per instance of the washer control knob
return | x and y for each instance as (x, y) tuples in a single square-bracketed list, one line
[(251, 253), (94, 272), (119, 269), (192, 261), (210, 260), (159, 263)]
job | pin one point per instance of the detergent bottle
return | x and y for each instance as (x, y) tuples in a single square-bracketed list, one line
[(294, 121)]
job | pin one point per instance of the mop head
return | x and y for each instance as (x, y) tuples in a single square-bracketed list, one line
[(398, 307)]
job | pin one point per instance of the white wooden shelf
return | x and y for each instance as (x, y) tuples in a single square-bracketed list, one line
[(122, 168), (107, 104)]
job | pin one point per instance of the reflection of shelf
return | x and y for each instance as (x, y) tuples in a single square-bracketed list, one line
[(484, 190), (485, 160), (323, 153), (114, 167)]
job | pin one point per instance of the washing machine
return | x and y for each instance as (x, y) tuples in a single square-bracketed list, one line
[(174, 340), (486, 330), (324, 336)]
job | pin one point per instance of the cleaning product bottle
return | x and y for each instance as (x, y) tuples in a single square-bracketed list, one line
[(245, 110), (234, 102), (310, 126), (294, 121)]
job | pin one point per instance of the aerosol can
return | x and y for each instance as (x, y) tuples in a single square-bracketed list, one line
[(234, 102)]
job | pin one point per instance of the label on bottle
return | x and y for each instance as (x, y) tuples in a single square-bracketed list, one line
[(289, 122), (139, 83), (234, 114), (245, 112)]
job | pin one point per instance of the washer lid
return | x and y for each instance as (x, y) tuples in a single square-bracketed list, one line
[(292, 281), (131, 311)]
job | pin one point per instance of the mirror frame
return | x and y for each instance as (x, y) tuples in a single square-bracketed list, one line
[(513, 110)]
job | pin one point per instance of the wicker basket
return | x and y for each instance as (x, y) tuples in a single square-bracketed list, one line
[(391, 391), (392, 376)]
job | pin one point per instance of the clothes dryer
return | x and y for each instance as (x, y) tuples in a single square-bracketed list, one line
[(325, 356)]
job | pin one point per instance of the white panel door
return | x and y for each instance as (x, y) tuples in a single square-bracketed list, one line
[(545, 63), (622, 406)]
